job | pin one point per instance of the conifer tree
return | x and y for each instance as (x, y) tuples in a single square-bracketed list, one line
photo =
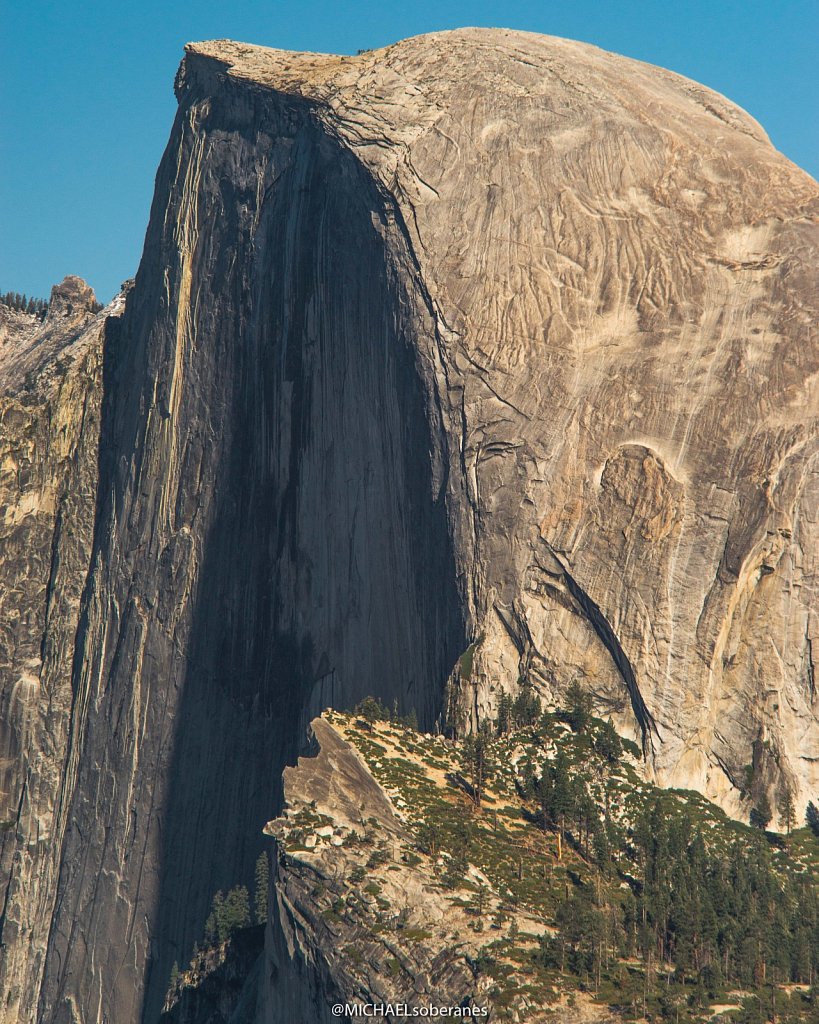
[(543, 792), (235, 913), (526, 709), (579, 707), (787, 810), (608, 744), (561, 798), (504, 720), (262, 887), (476, 760), (812, 817), (761, 814), (228, 914), (212, 922)]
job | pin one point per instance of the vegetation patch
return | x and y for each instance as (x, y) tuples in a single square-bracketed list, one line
[(651, 902)]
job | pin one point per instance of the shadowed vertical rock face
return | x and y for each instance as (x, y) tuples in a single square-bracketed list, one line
[(482, 337), (272, 539)]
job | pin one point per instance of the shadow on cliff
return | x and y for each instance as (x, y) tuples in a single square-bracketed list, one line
[(326, 572)]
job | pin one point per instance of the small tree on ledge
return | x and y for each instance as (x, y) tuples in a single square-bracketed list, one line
[(262, 886), (578, 707), (476, 760), (761, 814)]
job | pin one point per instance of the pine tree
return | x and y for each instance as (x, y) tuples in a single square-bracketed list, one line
[(262, 887), (601, 848), (429, 838), (526, 709), (812, 817), (504, 721), (214, 917), (543, 791), (372, 710), (478, 903), (608, 744), (456, 867), (562, 798), (228, 914), (787, 810), (761, 814), (578, 707), (476, 761), (235, 913)]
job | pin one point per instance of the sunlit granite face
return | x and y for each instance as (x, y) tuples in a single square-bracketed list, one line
[(621, 275)]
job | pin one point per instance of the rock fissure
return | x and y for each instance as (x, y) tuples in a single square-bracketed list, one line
[(602, 627)]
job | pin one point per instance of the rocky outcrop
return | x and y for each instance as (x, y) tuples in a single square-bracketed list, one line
[(391, 940), (50, 389), (221, 986), (482, 337)]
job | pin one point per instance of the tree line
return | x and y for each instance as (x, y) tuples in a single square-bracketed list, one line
[(230, 913), (24, 304), (700, 916)]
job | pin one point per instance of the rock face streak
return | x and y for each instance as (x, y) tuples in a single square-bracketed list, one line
[(483, 337)]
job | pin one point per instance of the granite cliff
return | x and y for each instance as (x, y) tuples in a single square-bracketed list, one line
[(51, 376), (483, 342)]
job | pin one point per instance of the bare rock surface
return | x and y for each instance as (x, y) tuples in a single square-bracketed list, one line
[(50, 393), (621, 274), (485, 337)]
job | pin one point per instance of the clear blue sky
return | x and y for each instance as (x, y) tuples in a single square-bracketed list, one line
[(86, 98)]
